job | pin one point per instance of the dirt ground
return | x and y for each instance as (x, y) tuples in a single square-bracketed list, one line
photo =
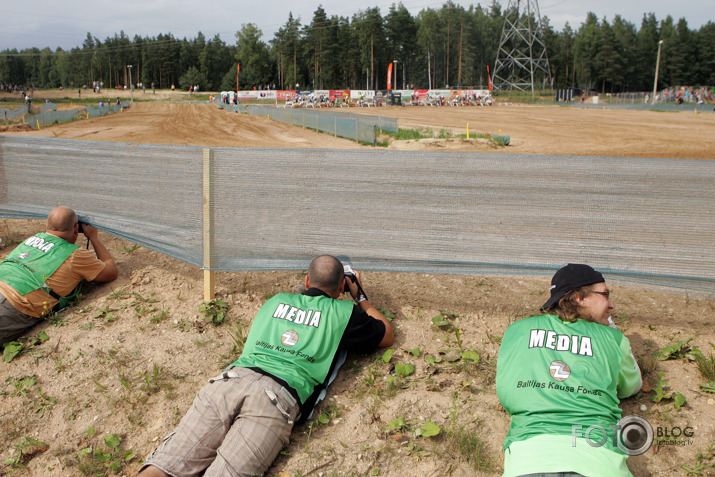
[(532, 129), (129, 359)]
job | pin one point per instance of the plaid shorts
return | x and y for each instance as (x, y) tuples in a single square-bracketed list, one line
[(236, 426)]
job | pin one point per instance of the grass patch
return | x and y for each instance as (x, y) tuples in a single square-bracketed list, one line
[(468, 444), (515, 96), (706, 365), (214, 311), (26, 449), (156, 380), (409, 134), (648, 364), (238, 340), (413, 134), (106, 459)]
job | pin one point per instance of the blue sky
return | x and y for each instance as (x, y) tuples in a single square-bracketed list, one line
[(52, 23)]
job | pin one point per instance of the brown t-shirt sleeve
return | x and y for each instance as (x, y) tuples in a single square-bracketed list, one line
[(83, 264)]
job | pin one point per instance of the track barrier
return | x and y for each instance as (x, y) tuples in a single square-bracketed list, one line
[(638, 219), (358, 127)]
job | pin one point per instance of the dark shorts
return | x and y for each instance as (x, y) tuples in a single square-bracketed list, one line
[(13, 323), (236, 427)]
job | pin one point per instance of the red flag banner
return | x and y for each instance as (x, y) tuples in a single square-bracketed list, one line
[(389, 76), (489, 79)]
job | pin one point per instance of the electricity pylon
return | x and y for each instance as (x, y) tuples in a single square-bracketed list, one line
[(521, 61)]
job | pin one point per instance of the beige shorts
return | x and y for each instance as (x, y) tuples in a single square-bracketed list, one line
[(236, 426)]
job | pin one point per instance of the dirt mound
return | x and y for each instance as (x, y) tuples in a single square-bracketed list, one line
[(449, 144), (16, 127), (183, 124)]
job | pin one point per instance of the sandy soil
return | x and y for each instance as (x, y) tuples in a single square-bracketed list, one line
[(573, 130), (532, 129), (129, 359)]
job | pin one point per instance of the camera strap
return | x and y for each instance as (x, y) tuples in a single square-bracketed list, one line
[(361, 293)]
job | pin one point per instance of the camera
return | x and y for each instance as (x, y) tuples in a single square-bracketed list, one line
[(81, 229), (350, 275)]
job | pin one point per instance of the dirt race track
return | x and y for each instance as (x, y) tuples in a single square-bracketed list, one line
[(128, 360), (533, 129)]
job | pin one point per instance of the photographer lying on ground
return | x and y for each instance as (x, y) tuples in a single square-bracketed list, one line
[(241, 420), (47, 267), (560, 373)]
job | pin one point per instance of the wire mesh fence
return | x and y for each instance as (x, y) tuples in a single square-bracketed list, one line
[(647, 220), (47, 117), (361, 128), (11, 114)]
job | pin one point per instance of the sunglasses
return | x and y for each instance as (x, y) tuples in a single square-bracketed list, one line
[(607, 294)]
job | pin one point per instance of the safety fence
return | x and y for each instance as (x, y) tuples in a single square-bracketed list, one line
[(103, 111), (225, 209), (11, 114), (46, 118), (668, 107), (382, 123), (361, 128), (51, 117)]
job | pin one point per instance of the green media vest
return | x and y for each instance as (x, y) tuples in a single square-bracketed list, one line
[(28, 267), (552, 375), (295, 338)]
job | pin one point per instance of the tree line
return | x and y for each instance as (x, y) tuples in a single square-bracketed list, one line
[(436, 48)]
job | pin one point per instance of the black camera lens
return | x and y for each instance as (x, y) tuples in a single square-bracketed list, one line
[(350, 277)]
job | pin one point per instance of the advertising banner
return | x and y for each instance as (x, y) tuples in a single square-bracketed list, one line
[(436, 93), (404, 93), (258, 94), (365, 93), (340, 93), (476, 93), (285, 94)]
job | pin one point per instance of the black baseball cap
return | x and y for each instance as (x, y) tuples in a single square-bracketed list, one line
[(570, 277)]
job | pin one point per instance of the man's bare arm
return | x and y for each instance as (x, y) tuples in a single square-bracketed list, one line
[(110, 271)]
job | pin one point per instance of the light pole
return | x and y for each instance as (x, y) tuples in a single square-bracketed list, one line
[(657, 67), (131, 87), (394, 73)]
